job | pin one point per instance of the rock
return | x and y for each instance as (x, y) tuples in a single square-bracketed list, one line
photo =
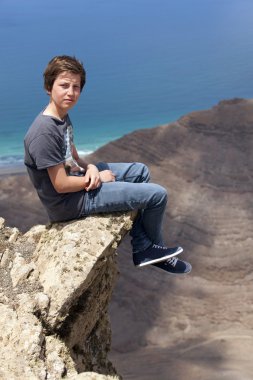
[(21, 346), (4, 257), (55, 293), (89, 252), (41, 302), (94, 376), (58, 360), (20, 270), (2, 221), (14, 235)]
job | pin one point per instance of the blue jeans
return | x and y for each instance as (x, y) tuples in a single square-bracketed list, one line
[(131, 191)]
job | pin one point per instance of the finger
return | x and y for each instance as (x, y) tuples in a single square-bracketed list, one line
[(94, 183), (91, 184)]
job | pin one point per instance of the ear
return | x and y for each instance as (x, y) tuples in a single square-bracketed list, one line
[(48, 91)]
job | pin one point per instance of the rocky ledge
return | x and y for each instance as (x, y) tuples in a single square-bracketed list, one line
[(55, 285)]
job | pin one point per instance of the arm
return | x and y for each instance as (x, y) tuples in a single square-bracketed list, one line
[(92, 173), (66, 184), (91, 170)]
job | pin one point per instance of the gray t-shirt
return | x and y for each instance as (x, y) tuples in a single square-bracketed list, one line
[(48, 143)]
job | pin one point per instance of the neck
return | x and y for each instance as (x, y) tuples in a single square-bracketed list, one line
[(53, 111)]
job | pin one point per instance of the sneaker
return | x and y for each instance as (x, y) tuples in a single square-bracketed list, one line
[(175, 266), (155, 254)]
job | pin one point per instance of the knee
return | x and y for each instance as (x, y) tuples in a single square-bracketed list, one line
[(160, 195), (144, 172), (102, 166)]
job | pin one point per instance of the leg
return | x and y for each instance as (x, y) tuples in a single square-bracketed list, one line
[(148, 219), (132, 192), (125, 196), (127, 172)]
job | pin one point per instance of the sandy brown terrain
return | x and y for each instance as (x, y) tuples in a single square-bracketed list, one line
[(200, 326), (19, 204)]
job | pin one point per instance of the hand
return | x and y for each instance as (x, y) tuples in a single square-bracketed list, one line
[(92, 177), (107, 176)]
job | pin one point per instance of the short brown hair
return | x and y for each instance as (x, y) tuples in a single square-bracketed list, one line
[(59, 64)]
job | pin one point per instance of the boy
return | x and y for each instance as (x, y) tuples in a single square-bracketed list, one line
[(71, 188)]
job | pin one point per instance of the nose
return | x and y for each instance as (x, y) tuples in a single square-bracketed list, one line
[(71, 90)]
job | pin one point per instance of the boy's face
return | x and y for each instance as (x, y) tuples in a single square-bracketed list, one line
[(65, 92)]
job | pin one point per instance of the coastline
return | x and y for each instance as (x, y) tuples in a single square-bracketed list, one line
[(12, 169)]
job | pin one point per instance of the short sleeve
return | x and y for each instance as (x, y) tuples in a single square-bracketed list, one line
[(47, 150)]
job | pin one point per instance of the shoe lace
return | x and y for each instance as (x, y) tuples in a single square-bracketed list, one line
[(172, 261), (159, 246)]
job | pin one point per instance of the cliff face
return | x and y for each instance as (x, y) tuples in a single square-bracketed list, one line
[(55, 286)]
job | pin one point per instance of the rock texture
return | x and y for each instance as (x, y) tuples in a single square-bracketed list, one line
[(55, 285)]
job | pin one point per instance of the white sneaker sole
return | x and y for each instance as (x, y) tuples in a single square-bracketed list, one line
[(164, 258)]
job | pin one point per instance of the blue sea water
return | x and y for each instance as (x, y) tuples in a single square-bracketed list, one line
[(148, 62)]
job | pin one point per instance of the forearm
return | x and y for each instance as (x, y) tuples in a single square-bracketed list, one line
[(71, 184), (66, 184)]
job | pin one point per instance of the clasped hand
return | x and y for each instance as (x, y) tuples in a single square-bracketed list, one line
[(94, 178)]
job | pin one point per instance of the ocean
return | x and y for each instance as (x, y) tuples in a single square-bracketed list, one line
[(148, 62)]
